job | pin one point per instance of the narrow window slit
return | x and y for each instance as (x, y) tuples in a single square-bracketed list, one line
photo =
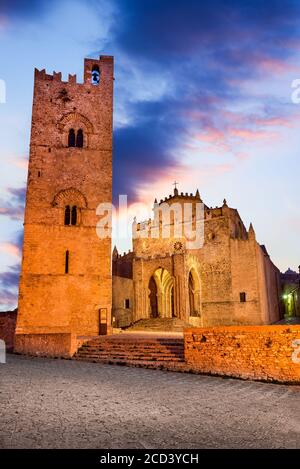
[(67, 262)]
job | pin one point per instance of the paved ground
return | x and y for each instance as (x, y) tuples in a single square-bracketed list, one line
[(289, 321), (67, 404)]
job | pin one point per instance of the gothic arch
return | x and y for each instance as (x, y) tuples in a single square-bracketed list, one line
[(75, 118), (78, 123), (69, 196), (161, 284)]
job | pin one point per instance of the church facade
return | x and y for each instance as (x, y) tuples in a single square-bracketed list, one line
[(228, 280)]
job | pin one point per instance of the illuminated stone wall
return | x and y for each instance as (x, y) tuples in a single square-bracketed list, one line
[(270, 353)]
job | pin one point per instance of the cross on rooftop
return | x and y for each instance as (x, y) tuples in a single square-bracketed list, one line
[(175, 184)]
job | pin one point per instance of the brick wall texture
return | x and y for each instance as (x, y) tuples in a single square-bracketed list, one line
[(56, 345), (253, 352)]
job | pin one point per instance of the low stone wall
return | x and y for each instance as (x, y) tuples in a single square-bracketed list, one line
[(7, 328), (268, 353), (62, 345)]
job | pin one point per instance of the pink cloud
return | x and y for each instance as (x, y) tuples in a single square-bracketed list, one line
[(161, 184), (210, 135), (20, 162), (194, 115), (274, 121), (15, 213), (232, 130), (277, 66), (272, 65), (252, 135), (234, 118), (215, 138), (11, 249)]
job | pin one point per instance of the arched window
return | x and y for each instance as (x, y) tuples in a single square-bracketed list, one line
[(74, 215), (67, 258), (79, 139), (95, 75), (71, 140), (67, 215)]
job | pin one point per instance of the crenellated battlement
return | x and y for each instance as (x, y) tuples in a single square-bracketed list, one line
[(164, 220), (209, 212), (56, 76), (180, 197), (102, 63)]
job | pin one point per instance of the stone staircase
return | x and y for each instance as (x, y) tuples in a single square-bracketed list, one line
[(148, 351), (159, 324)]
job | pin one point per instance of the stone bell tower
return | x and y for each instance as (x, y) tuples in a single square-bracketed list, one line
[(65, 283)]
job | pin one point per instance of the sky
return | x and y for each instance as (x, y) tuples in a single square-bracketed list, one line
[(203, 96)]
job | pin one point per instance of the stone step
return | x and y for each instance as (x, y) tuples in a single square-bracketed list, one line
[(126, 352), (128, 339), (133, 347), (129, 350), (133, 357), (137, 353), (178, 366), (133, 354), (159, 324), (133, 350)]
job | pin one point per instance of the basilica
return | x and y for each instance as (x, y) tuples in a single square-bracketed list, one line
[(228, 280)]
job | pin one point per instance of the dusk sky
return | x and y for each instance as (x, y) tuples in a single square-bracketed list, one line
[(202, 95)]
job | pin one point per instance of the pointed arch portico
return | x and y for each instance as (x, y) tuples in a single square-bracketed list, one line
[(161, 286)]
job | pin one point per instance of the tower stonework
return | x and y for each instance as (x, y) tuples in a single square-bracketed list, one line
[(65, 283)]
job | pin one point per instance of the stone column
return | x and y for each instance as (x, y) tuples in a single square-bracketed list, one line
[(181, 292)]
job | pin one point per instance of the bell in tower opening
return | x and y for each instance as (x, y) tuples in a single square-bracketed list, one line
[(95, 75)]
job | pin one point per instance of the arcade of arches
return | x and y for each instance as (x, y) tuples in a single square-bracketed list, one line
[(161, 294), (160, 291)]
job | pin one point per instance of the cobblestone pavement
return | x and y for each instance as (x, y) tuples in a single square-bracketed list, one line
[(67, 404)]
